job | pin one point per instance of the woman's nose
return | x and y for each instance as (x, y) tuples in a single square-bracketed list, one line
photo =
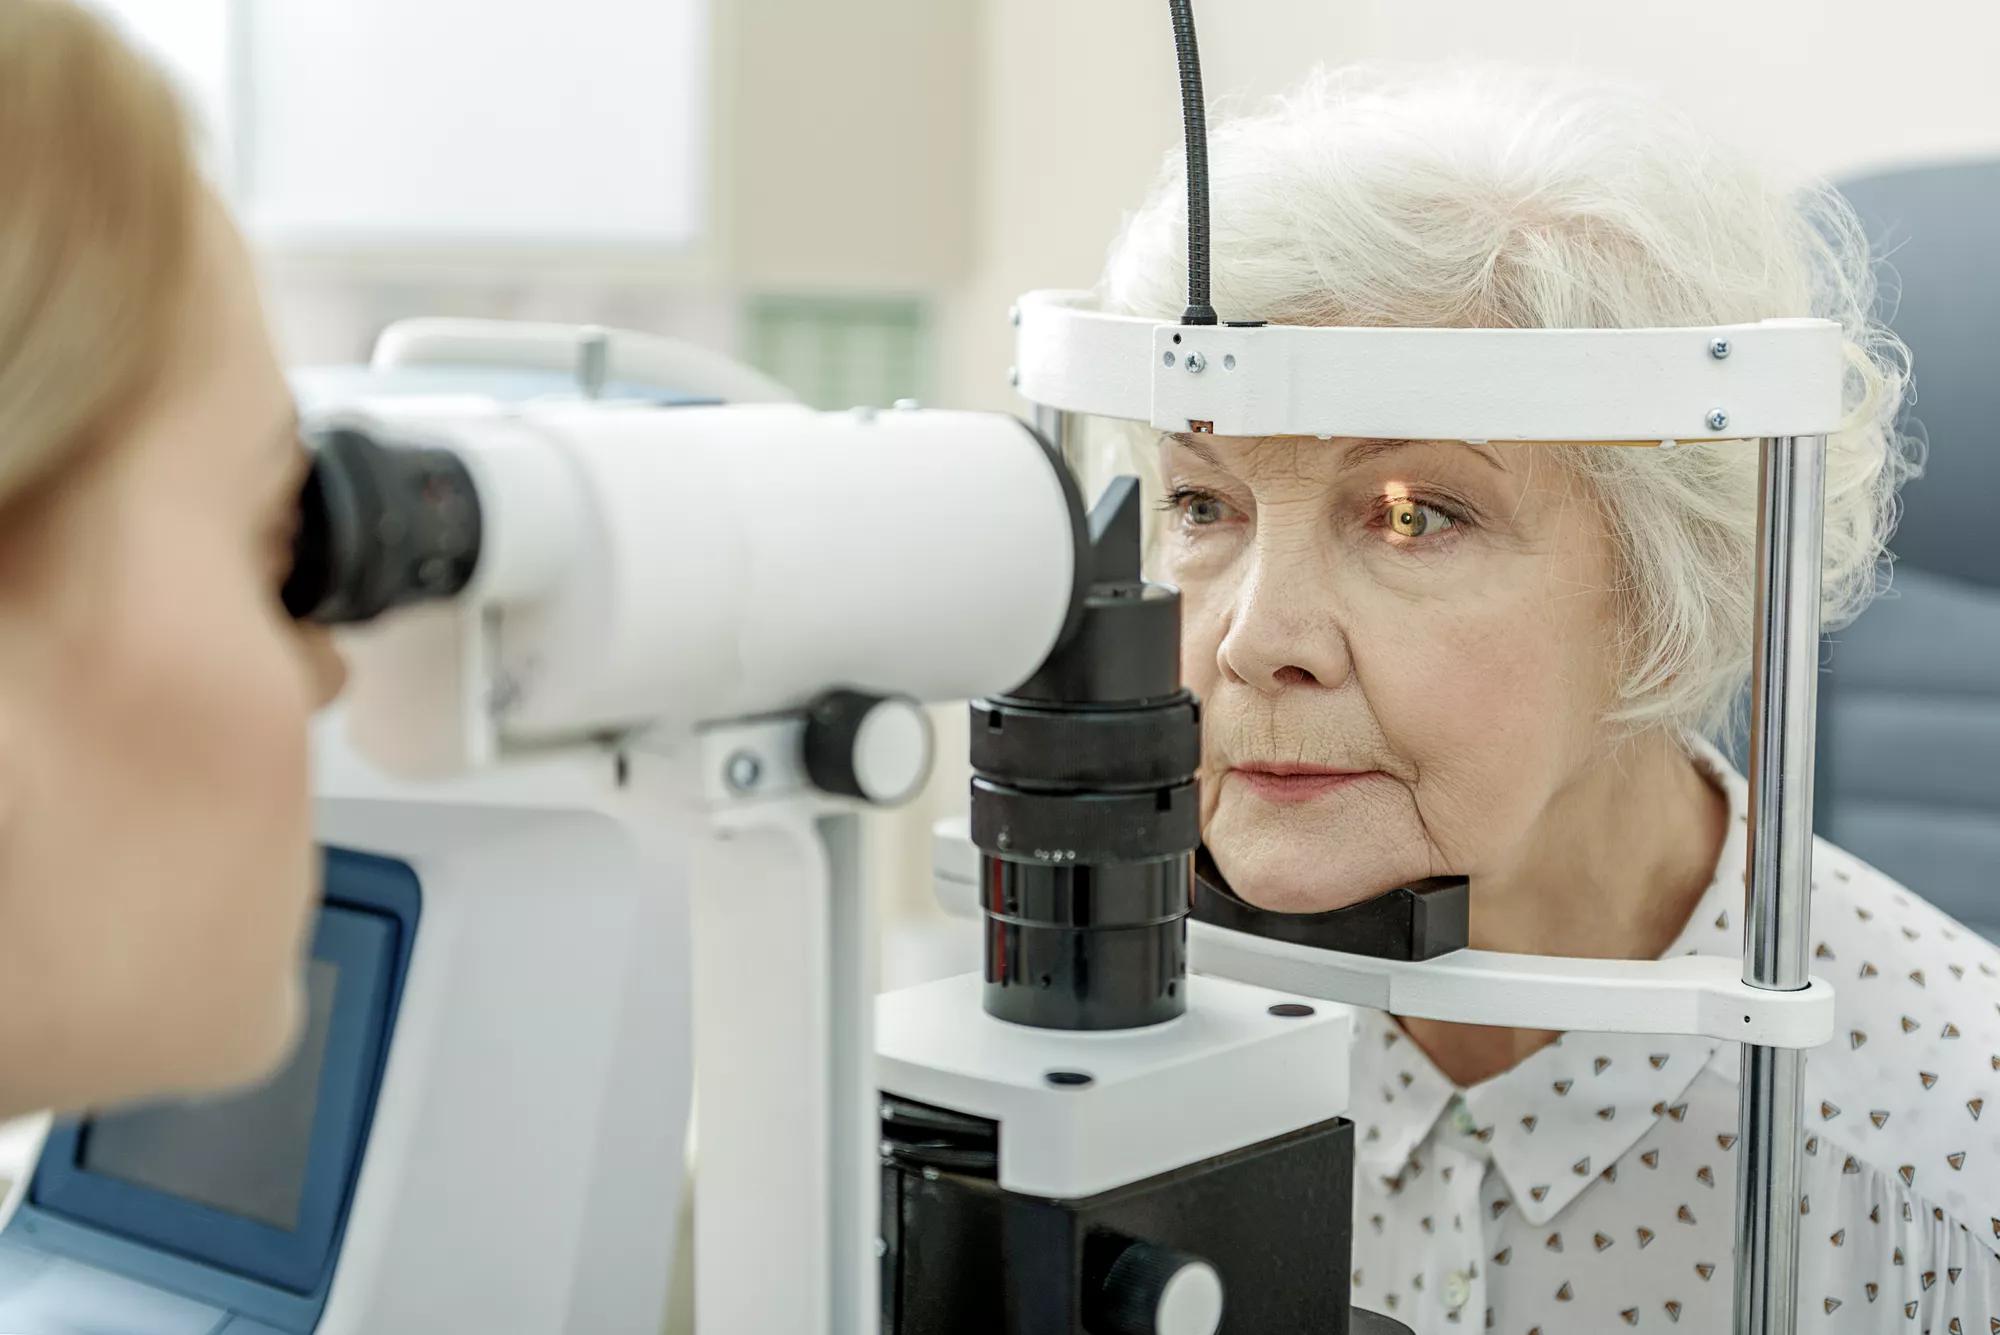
[(1281, 636), (325, 667)]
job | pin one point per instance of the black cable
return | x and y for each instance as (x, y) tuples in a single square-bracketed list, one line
[(1194, 121)]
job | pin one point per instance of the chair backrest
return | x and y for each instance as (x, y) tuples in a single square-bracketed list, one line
[(1909, 772)]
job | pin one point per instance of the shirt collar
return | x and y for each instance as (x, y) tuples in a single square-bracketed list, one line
[(1563, 1117)]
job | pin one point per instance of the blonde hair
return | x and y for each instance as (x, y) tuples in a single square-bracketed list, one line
[(97, 214), (1497, 197)]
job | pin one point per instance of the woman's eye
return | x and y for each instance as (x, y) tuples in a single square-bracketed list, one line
[(1196, 509), (1203, 510), (1414, 519)]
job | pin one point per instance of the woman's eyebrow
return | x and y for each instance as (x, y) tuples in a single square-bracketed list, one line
[(1198, 449), (1361, 451)]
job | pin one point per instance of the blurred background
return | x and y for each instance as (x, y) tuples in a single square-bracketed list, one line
[(850, 195)]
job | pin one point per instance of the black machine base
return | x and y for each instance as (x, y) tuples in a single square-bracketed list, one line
[(963, 1256)]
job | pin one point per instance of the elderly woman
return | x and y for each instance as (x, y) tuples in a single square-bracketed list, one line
[(1511, 663)]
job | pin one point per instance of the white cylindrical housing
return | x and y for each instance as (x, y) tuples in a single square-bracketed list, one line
[(533, 510), (734, 561)]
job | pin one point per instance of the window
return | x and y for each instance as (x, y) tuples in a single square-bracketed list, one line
[(440, 123)]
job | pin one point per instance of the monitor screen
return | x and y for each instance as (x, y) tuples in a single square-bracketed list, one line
[(245, 1153)]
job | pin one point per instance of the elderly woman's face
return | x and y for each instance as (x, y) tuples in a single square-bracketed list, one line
[(1404, 649)]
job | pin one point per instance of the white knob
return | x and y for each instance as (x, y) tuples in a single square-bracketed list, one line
[(1191, 1304), (871, 747), (1152, 1290)]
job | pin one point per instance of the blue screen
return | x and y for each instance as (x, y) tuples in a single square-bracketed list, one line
[(245, 1153)]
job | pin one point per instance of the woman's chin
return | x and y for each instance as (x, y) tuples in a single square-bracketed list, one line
[(1299, 893), (1284, 883), (1290, 870)]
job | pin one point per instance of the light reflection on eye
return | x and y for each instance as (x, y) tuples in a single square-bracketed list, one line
[(1409, 518)]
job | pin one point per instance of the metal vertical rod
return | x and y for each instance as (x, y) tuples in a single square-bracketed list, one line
[(1060, 429), (1784, 690)]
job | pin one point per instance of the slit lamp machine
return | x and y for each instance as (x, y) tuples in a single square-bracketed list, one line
[(628, 669)]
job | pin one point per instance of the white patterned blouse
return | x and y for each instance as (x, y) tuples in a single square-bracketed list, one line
[(1592, 1188)]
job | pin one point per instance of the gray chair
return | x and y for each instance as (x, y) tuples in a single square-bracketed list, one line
[(1909, 743)]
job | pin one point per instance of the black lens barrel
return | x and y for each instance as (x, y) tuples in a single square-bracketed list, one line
[(1084, 807), (380, 526), (1095, 946)]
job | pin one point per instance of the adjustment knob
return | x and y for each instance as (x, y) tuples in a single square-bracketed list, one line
[(872, 747), (1149, 1290)]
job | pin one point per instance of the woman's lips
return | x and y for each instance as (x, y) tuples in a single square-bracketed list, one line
[(1296, 783)]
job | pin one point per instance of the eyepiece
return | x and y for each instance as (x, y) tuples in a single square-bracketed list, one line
[(380, 526)]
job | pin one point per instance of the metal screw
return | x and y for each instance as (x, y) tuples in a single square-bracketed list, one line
[(881, 1248), (432, 572), (1717, 419), (1196, 363), (1014, 316), (930, 1174), (1014, 376), (1718, 348), (744, 771)]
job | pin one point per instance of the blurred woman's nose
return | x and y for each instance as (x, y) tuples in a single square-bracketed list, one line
[(1284, 629), (325, 667)]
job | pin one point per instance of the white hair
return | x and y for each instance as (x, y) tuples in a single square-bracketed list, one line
[(1494, 197)]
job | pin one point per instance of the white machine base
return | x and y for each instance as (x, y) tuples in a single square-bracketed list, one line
[(1226, 1075)]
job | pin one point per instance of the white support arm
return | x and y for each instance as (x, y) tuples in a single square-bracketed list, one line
[(1774, 377), (1689, 994), (786, 1126)]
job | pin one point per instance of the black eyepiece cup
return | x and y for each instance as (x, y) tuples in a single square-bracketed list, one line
[(380, 526)]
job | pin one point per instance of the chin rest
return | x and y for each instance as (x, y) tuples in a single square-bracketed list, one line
[(1418, 921)]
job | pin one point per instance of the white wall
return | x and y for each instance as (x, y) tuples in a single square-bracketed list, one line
[(1080, 101)]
